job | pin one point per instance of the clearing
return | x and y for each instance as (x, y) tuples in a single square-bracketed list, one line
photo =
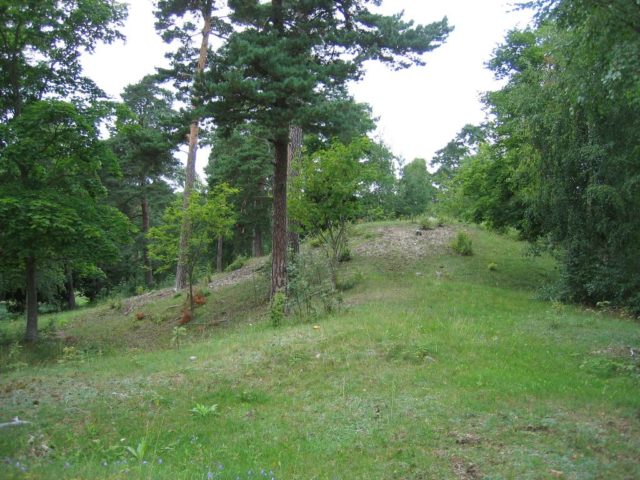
[(434, 367)]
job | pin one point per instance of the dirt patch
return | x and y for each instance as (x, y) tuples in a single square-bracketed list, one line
[(406, 241), (465, 470), (136, 303), (250, 271)]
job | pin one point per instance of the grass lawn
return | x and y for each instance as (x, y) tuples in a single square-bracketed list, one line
[(435, 367)]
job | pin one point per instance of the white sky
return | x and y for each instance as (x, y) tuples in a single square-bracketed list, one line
[(419, 109)]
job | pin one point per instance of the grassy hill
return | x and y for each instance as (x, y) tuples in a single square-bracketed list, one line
[(435, 366)]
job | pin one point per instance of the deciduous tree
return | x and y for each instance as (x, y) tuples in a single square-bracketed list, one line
[(50, 190)]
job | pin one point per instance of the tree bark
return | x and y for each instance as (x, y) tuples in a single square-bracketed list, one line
[(148, 272), (70, 289), (294, 153), (185, 230), (31, 335), (219, 254), (279, 232), (256, 243)]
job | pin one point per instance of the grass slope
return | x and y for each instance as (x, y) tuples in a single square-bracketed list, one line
[(435, 368)]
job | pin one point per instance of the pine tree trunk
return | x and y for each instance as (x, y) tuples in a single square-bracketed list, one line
[(31, 335), (185, 230), (279, 235), (148, 272), (294, 154), (70, 289), (219, 254), (256, 243)]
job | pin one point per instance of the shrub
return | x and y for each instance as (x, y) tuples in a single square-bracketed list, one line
[(428, 222), (345, 255), (276, 310), (462, 245), (350, 283), (492, 267), (310, 285), (315, 242), (237, 264)]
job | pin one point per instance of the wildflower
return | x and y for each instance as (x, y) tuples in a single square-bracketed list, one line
[(159, 461), (209, 475), (104, 463)]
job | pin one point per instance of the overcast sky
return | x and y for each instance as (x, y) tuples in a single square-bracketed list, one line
[(419, 109)]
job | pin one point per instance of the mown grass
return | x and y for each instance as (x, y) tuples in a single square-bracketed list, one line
[(436, 367)]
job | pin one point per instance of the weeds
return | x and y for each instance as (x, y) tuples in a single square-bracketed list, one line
[(462, 245), (202, 411), (179, 333), (276, 309), (239, 262)]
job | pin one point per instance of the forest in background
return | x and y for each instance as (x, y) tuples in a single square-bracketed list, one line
[(557, 159)]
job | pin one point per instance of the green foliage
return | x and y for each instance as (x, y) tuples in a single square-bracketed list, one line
[(239, 262), (449, 159), (415, 189), (492, 267), (562, 161), (344, 255), (277, 308), (325, 194), (50, 191), (308, 52), (310, 287), (351, 282), (429, 222), (179, 333), (209, 216), (476, 352), (244, 160), (315, 242), (41, 46), (462, 245), (140, 451), (203, 411)]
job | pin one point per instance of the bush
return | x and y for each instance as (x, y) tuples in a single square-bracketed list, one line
[(276, 310), (492, 267), (462, 245), (345, 255), (428, 222), (237, 264), (350, 283), (310, 290), (315, 242)]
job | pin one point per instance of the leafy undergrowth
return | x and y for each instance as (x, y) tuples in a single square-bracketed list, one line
[(435, 367)]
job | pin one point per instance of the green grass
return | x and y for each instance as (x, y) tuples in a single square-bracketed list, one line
[(460, 375)]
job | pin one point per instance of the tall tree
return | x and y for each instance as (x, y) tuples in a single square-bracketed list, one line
[(175, 23), (40, 47), (564, 162), (143, 144), (288, 59), (243, 159), (49, 194), (448, 159), (415, 188)]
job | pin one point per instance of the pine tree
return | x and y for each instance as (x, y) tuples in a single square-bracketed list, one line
[(174, 22), (289, 60)]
